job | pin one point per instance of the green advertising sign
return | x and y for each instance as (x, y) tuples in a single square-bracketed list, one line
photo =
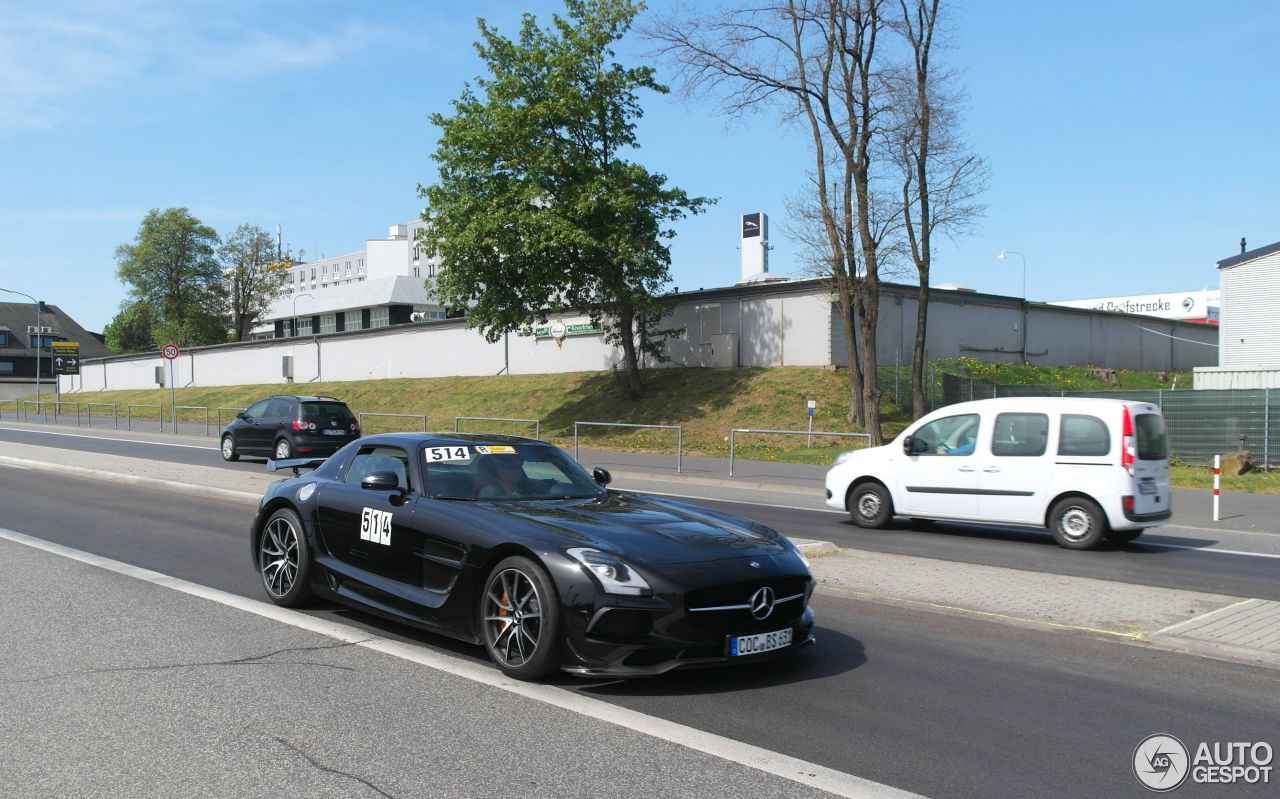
[(560, 330)]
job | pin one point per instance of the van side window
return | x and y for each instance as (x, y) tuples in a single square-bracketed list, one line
[(1020, 434), (1083, 435), (953, 435)]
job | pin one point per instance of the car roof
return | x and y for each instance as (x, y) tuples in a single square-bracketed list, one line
[(447, 439), (304, 398), (1044, 403)]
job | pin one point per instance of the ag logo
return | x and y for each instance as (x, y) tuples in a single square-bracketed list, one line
[(375, 526), (1160, 763)]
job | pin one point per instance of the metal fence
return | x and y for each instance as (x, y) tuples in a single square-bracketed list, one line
[(115, 418), (1201, 423), (128, 415), (537, 424), (734, 432), (14, 403), (679, 436)]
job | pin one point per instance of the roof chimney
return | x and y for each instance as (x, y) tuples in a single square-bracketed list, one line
[(1242, 245)]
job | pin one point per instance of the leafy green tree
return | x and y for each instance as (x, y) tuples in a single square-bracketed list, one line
[(171, 266), (132, 328), (537, 209), (252, 276)]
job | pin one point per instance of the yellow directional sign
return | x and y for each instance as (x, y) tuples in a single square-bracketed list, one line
[(66, 357)]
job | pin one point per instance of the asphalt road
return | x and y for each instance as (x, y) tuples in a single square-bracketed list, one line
[(941, 705), (1172, 556)]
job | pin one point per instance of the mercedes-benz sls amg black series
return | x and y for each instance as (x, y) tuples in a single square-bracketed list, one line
[(507, 542)]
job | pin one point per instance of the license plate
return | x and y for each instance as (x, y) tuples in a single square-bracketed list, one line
[(1146, 488), (335, 432), (755, 644)]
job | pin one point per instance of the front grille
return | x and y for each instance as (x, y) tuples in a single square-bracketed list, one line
[(740, 593), (739, 621)]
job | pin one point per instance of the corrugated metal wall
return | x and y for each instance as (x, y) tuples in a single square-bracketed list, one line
[(1251, 314)]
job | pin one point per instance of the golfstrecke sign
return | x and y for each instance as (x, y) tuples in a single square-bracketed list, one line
[(66, 357)]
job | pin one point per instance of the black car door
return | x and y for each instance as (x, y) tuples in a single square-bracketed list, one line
[(248, 434), (275, 420), (372, 529)]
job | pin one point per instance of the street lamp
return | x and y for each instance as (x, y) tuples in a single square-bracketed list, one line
[(39, 336), (295, 312), (1000, 256)]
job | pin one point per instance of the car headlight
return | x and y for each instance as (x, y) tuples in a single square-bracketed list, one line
[(613, 573), (844, 456)]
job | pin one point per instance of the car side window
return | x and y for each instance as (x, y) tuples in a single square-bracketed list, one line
[(279, 408), (1083, 435), (952, 435), (1020, 434), (379, 459), (257, 409)]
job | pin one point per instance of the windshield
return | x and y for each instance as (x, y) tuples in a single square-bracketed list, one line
[(505, 473)]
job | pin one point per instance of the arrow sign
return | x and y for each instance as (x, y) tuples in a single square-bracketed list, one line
[(66, 360)]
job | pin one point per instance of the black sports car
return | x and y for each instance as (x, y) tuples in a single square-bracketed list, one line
[(508, 542)]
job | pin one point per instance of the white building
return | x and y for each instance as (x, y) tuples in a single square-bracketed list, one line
[(1250, 327), (383, 284)]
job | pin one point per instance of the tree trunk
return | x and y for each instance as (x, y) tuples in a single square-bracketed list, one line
[(917, 356), (626, 327), (845, 304)]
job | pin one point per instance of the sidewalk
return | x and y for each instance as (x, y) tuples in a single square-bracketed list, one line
[(1227, 627)]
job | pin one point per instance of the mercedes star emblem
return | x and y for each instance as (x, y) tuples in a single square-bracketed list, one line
[(762, 603)]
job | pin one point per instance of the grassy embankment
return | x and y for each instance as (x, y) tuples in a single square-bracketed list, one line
[(706, 403)]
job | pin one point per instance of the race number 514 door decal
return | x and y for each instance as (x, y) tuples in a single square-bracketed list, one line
[(375, 526)]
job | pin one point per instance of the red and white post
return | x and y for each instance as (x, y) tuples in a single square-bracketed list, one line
[(1217, 478)]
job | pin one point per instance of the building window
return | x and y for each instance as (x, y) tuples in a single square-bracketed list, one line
[(6, 367), (313, 274), (359, 266), (348, 272), (353, 320), (304, 326), (4, 338), (416, 270), (43, 341), (329, 323), (379, 317), (431, 269)]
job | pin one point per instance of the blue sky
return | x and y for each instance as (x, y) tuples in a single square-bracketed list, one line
[(1131, 144)]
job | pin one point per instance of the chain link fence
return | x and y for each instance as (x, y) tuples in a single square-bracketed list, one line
[(1201, 423)]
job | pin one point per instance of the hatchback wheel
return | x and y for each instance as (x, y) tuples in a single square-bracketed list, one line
[(284, 560), (520, 619), (1077, 523), (229, 448), (283, 449)]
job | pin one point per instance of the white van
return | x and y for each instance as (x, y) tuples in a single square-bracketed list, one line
[(1083, 468)]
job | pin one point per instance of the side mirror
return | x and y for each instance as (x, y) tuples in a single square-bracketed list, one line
[(382, 481), (601, 476), (242, 416), (906, 444)]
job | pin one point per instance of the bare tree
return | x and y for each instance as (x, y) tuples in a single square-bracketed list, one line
[(253, 277), (940, 177), (818, 60)]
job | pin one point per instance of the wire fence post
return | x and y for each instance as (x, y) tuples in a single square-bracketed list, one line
[(575, 443), (1266, 429), (679, 448), (731, 433)]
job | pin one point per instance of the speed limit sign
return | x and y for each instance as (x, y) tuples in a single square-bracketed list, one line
[(170, 352)]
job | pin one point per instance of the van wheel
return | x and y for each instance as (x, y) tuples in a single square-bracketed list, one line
[(870, 506), (1077, 523), (1123, 536)]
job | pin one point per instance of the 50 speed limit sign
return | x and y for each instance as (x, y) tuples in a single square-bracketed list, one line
[(170, 352)]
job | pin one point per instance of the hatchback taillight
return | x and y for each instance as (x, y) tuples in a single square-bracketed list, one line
[(1128, 444), (302, 426)]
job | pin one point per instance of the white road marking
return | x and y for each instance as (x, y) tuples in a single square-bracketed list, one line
[(790, 768), (1210, 549), (1199, 619), (108, 438), (14, 466)]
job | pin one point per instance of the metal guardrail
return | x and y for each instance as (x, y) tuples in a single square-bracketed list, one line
[(14, 403), (218, 415), (537, 424), (26, 416), (115, 417), (421, 416), (128, 415), (57, 409), (679, 435), (177, 408), (733, 434)]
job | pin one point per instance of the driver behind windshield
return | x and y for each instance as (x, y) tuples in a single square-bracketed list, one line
[(503, 476)]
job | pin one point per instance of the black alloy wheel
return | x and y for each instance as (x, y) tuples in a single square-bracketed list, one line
[(520, 619), (284, 560)]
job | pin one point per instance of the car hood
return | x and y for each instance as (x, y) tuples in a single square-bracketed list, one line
[(648, 529)]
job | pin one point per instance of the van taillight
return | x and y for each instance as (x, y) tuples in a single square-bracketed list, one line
[(302, 426), (1128, 445)]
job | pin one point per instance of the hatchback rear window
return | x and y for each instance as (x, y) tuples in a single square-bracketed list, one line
[(326, 412), (1153, 443)]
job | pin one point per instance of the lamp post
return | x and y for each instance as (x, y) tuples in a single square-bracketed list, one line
[(39, 336), (295, 312), (1002, 255)]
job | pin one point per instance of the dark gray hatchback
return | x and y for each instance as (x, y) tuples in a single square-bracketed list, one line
[(283, 426)]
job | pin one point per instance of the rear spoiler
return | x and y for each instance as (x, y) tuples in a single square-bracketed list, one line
[(295, 464)]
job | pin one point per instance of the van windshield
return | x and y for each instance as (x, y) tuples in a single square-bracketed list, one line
[(1153, 443)]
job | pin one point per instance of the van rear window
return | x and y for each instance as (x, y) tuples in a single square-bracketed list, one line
[(326, 411), (1153, 442)]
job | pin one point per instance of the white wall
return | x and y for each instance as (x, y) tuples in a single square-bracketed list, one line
[(1251, 313)]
